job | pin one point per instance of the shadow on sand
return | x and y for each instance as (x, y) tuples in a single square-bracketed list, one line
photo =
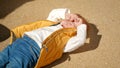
[(93, 44), (7, 6), (4, 33)]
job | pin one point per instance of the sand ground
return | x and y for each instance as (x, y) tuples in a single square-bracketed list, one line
[(102, 48)]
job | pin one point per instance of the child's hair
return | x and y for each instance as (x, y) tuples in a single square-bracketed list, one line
[(84, 21)]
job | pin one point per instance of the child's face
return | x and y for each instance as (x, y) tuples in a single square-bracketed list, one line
[(72, 17), (71, 20)]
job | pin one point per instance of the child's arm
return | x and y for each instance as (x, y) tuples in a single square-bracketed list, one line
[(78, 40)]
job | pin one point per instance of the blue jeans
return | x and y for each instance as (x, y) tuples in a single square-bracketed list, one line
[(23, 53)]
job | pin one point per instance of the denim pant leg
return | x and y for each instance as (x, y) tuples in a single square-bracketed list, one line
[(24, 54), (4, 56)]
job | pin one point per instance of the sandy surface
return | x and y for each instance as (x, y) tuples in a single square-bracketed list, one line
[(102, 48)]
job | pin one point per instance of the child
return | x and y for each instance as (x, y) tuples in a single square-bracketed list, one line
[(25, 52)]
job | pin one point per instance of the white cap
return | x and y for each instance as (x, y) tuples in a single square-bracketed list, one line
[(57, 14)]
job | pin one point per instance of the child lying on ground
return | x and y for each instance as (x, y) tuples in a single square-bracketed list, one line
[(44, 45)]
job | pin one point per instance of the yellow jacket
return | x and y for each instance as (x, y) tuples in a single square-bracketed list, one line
[(52, 45)]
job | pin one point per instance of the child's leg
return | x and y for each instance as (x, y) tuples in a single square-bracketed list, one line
[(4, 56), (24, 55)]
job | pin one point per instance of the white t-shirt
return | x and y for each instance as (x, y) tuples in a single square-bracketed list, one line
[(39, 35)]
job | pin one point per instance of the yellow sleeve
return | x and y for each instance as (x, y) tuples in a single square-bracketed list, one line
[(18, 31)]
